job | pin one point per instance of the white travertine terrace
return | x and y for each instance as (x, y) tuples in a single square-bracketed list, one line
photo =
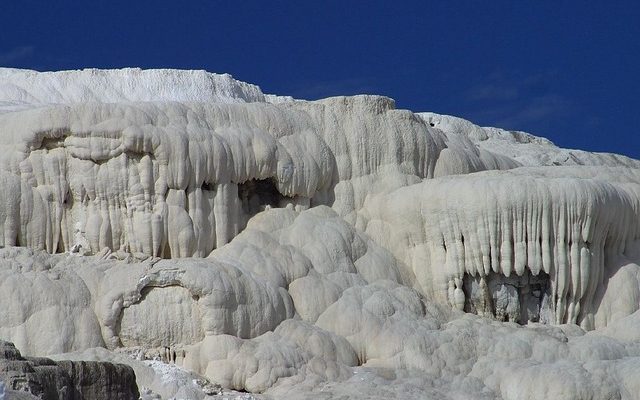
[(291, 247), (567, 222), (24, 89)]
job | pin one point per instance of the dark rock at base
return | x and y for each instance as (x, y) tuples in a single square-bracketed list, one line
[(42, 378)]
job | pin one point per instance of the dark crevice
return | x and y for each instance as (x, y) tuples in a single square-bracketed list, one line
[(256, 194), (52, 143), (519, 299)]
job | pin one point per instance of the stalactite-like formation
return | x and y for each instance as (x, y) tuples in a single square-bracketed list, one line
[(514, 223)]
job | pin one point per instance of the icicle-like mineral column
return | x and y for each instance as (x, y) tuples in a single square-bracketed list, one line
[(562, 222)]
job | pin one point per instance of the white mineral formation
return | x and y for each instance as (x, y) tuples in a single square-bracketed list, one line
[(301, 249)]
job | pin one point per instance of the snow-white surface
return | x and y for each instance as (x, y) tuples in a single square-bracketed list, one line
[(311, 249), (23, 89), (523, 147)]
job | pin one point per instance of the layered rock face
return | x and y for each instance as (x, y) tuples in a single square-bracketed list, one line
[(279, 245), (42, 378)]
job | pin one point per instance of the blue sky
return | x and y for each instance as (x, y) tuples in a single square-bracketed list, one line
[(566, 70)]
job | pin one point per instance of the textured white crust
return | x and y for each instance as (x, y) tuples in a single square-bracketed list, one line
[(309, 249)]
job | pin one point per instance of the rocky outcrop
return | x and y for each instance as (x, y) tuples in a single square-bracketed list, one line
[(42, 378)]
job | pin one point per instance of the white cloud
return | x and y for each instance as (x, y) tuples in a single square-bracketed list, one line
[(15, 54)]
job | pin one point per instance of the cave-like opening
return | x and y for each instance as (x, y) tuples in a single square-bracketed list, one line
[(520, 299), (257, 194)]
